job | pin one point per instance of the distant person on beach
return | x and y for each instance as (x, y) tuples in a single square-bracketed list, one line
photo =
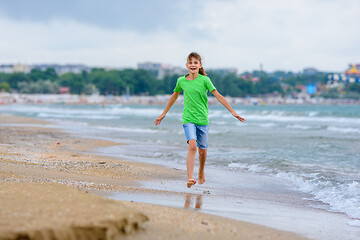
[(195, 114)]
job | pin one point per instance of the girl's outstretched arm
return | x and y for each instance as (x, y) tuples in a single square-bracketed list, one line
[(171, 102), (223, 101)]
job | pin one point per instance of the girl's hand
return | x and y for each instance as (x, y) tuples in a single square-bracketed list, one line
[(238, 117), (159, 119)]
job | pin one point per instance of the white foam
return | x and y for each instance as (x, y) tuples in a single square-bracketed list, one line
[(219, 122), (298, 118), (266, 125), (248, 167), (343, 129), (113, 111), (341, 197), (354, 223), (218, 131), (297, 126), (311, 114), (237, 165)]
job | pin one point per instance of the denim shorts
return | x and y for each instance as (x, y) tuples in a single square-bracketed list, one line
[(197, 132)]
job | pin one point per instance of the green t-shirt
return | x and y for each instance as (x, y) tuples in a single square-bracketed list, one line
[(195, 99)]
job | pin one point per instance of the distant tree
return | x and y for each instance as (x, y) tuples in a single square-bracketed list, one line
[(4, 87), (50, 74), (168, 83), (14, 78), (142, 82), (352, 95), (107, 82), (217, 80), (90, 89), (230, 86), (139, 81), (332, 93), (85, 76), (354, 87), (41, 86), (3, 77), (48, 86), (72, 80), (36, 74)]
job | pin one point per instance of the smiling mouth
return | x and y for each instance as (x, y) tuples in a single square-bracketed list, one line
[(193, 68)]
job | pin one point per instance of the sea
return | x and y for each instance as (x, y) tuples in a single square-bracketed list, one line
[(292, 167)]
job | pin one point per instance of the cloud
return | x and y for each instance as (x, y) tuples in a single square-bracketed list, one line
[(73, 42), (139, 15), (286, 35)]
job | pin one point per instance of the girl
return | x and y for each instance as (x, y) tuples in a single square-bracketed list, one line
[(195, 114)]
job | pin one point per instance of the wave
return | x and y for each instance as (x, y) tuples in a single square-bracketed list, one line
[(289, 118), (343, 129), (265, 125), (251, 168), (215, 114), (296, 126), (339, 196), (90, 110), (219, 122)]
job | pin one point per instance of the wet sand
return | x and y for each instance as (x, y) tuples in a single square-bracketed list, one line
[(47, 180)]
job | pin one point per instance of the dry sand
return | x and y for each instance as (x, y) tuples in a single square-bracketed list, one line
[(54, 211), (44, 178)]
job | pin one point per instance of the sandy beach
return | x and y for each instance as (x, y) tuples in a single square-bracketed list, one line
[(51, 187)]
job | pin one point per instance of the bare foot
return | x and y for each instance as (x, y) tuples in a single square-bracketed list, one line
[(201, 177), (190, 182)]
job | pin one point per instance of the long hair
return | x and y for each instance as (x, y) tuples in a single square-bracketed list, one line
[(198, 57)]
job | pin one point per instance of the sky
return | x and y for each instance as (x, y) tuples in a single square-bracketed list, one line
[(279, 34)]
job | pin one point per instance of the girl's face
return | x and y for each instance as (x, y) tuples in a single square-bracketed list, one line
[(193, 65)]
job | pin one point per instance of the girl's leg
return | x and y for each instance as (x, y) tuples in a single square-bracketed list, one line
[(202, 160), (190, 162)]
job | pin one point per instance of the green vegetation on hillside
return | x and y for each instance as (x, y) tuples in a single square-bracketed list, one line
[(142, 82)]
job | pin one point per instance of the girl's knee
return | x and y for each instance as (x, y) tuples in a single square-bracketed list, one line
[(202, 152), (192, 145)]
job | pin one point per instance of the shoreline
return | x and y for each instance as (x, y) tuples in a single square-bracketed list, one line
[(40, 155), (267, 99)]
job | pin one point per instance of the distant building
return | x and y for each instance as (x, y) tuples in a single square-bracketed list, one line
[(351, 75), (179, 71), (353, 70), (301, 87), (11, 68), (61, 69), (161, 70), (64, 90), (310, 88), (7, 68), (246, 76), (21, 68), (250, 77), (150, 66), (310, 71), (255, 79), (164, 70)]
